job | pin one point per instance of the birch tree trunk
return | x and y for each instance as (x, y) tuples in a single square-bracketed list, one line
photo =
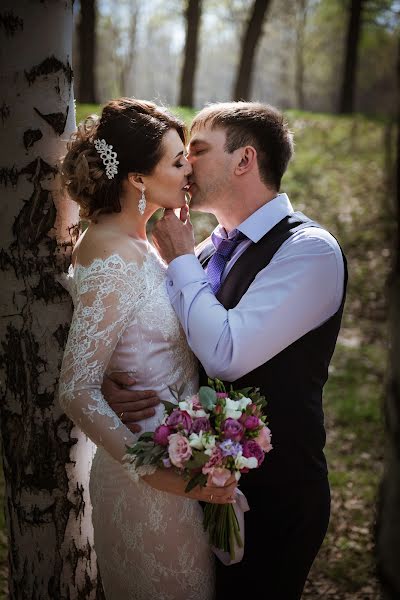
[(388, 527), (251, 38), (46, 461)]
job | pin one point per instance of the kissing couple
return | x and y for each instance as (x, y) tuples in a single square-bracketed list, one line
[(259, 303)]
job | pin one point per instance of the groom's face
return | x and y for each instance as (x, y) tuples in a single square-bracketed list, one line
[(212, 166)]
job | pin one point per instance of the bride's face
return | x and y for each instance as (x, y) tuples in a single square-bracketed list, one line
[(165, 186)]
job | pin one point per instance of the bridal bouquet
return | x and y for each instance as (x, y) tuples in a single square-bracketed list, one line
[(207, 438)]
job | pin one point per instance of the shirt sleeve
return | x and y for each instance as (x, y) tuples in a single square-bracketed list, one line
[(300, 289)]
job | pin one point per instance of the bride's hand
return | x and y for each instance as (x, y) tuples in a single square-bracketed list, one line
[(169, 481)]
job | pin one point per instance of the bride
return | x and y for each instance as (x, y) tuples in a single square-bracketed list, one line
[(120, 169)]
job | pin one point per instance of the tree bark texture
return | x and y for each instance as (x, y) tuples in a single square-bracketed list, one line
[(301, 18), (388, 522), (46, 461), (347, 94), (188, 74), (87, 52), (251, 38)]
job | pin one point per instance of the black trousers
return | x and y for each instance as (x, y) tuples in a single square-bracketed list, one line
[(284, 530)]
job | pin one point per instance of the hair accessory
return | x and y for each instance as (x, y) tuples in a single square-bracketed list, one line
[(142, 202), (108, 157)]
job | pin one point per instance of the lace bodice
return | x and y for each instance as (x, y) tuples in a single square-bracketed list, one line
[(122, 321)]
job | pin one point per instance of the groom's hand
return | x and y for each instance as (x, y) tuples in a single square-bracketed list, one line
[(130, 405), (172, 236)]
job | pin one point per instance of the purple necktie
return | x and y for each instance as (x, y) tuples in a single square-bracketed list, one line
[(224, 250)]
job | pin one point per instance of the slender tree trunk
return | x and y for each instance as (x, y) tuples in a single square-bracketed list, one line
[(347, 94), (126, 68), (87, 52), (301, 18), (193, 17), (388, 527), (252, 35), (46, 462)]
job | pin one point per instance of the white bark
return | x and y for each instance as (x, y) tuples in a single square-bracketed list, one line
[(48, 509)]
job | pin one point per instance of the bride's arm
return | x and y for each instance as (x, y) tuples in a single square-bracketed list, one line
[(105, 302)]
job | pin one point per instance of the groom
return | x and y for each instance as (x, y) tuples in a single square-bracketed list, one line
[(260, 306)]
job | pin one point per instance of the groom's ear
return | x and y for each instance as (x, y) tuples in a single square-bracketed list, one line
[(246, 160), (136, 180)]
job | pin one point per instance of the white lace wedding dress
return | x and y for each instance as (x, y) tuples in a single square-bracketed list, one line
[(150, 545)]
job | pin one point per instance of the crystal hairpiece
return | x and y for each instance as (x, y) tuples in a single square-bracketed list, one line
[(108, 157)]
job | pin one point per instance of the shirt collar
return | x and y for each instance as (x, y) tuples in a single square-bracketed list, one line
[(262, 220)]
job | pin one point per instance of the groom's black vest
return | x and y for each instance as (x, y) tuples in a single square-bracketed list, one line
[(291, 381)]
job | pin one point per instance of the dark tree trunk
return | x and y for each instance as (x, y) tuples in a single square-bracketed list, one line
[(188, 75), (301, 18), (252, 35), (46, 461), (87, 52), (347, 94), (388, 525)]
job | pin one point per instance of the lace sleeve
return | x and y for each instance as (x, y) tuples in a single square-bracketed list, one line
[(106, 296)]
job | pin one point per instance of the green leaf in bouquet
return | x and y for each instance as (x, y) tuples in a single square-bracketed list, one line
[(207, 397), (197, 461), (198, 479), (244, 391), (146, 436), (169, 406)]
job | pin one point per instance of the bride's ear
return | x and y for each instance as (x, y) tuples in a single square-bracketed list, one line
[(136, 181)]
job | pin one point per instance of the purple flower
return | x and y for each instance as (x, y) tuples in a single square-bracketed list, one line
[(230, 448), (161, 435), (167, 463), (201, 424), (232, 429), (180, 419), (251, 448), (222, 395), (251, 422)]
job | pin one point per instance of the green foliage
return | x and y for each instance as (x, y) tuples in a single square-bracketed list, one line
[(207, 397)]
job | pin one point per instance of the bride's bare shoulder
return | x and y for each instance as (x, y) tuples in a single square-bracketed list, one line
[(101, 243)]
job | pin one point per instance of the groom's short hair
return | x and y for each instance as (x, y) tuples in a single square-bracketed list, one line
[(253, 124)]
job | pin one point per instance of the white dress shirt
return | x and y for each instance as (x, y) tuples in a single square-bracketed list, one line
[(300, 289)]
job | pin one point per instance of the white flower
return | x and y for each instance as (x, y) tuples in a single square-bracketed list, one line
[(232, 409), (188, 406), (197, 440), (244, 402), (241, 462), (209, 441)]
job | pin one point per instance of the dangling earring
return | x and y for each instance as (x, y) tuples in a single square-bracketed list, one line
[(142, 202)]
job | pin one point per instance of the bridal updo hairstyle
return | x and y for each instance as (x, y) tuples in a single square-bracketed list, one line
[(135, 129)]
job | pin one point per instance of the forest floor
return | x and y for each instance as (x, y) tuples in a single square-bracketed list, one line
[(341, 177)]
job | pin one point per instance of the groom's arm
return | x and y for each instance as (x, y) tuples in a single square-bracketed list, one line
[(299, 290)]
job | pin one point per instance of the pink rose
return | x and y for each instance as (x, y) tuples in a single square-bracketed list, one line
[(179, 450), (196, 402), (201, 424), (264, 439), (251, 448), (251, 422), (180, 419), (232, 429), (161, 435), (215, 460), (218, 476)]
